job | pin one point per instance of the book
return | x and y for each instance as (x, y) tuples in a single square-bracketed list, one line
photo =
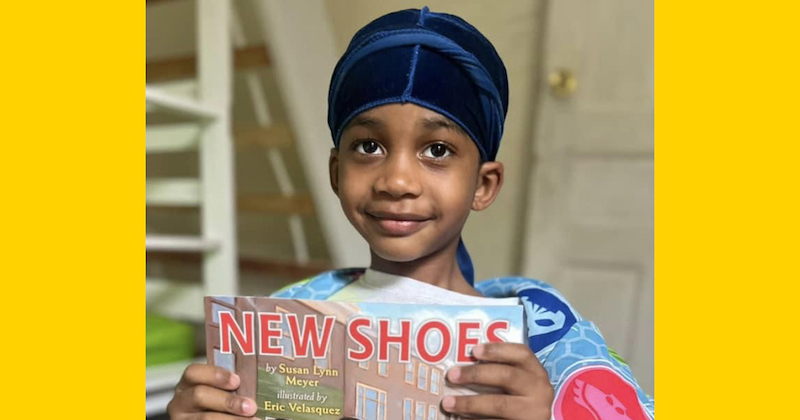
[(323, 360)]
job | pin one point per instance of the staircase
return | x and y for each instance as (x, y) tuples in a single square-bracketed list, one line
[(190, 112), (198, 121)]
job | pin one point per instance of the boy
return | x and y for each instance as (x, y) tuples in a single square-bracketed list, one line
[(416, 111)]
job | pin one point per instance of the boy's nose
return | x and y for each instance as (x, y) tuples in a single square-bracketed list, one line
[(398, 179)]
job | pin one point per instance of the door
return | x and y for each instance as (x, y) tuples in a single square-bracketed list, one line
[(589, 216)]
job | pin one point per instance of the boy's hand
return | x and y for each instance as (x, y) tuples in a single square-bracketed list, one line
[(204, 392), (512, 368)]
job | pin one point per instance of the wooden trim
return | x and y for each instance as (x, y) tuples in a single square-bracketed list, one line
[(252, 203), (274, 267), (276, 135), (186, 67), (152, 2), (274, 203)]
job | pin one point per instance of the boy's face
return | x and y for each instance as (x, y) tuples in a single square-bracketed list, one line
[(407, 178)]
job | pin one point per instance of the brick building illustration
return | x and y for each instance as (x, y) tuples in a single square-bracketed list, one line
[(333, 387)]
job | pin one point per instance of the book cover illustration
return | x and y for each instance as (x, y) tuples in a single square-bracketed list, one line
[(322, 360)]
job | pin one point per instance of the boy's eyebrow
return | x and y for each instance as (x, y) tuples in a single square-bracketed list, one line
[(433, 123), (365, 121)]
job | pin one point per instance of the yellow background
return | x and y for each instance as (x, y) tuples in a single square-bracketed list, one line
[(72, 166), (726, 214), (72, 170)]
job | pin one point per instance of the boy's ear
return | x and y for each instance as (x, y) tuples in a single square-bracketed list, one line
[(490, 180), (333, 169)]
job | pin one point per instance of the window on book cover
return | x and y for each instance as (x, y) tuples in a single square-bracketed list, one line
[(420, 412), (422, 377), (322, 363), (225, 361), (410, 372), (408, 408), (435, 377), (382, 369), (229, 300), (370, 403), (216, 308), (432, 411), (364, 364), (286, 340)]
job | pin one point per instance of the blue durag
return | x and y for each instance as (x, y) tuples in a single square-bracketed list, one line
[(434, 60)]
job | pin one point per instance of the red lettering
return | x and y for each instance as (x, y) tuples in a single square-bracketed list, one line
[(228, 326), (310, 332), (463, 354), (491, 330), (403, 339), (362, 340), (268, 333), (422, 336)]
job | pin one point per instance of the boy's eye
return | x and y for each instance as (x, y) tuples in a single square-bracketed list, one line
[(368, 147), (437, 151)]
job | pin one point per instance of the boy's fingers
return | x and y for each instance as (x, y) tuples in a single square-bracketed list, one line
[(512, 379), (200, 374), (203, 397), (509, 353), (493, 405)]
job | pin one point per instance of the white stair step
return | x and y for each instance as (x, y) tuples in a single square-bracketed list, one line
[(175, 299), (175, 243), (160, 382), (156, 403), (161, 377), (186, 88), (179, 192), (163, 101), (173, 138)]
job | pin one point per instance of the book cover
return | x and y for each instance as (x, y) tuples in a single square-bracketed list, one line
[(322, 360)]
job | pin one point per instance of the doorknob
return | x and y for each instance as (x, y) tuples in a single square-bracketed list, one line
[(562, 82)]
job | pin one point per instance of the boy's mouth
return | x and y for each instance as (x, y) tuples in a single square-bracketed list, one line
[(398, 224)]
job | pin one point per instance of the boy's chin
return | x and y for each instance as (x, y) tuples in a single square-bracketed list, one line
[(397, 252)]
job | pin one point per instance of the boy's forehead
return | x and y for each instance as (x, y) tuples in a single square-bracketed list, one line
[(387, 116)]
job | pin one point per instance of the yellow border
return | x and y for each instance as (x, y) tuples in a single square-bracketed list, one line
[(726, 136), (72, 167)]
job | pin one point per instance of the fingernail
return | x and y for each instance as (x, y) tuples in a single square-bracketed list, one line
[(453, 374), (234, 380), (248, 407), (478, 350), (448, 403)]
